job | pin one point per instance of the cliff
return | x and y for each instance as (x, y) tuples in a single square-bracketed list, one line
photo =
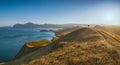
[(31, 47), (84, 46)]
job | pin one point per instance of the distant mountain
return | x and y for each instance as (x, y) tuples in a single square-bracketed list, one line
[(32, 25)]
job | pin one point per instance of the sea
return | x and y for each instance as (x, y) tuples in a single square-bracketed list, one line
[(12, 39)]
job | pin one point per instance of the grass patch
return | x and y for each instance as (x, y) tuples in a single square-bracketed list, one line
[(42, 42)]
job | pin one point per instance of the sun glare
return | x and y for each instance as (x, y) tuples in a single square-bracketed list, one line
[(109, 17)]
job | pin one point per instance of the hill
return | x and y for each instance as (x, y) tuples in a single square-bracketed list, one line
[(65, 31), (85, 46)]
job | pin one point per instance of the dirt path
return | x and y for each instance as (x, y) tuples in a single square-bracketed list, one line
[(108, 37)]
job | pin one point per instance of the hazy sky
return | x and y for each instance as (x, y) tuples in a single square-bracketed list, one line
[(59, 11)]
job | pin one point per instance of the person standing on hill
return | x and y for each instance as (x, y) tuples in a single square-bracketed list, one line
[(88, 25)]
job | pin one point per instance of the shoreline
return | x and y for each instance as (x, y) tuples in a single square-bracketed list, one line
[(24, 44)]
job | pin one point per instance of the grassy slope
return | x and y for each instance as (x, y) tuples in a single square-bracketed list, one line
[(81, 47), (65, 31), (113, 29)]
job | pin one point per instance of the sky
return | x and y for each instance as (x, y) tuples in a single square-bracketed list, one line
[(59, 12)]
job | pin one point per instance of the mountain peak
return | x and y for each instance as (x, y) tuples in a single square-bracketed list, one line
[(29, 23)]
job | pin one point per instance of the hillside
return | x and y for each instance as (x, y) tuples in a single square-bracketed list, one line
[(113, 29), (85, 46), (31, 47), (65, 31)]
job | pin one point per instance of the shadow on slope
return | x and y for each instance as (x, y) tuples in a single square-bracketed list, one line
[(83, 34)]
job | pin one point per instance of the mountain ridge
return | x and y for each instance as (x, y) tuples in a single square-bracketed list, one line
[(32, 25)]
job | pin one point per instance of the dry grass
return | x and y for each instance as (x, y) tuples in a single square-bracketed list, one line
[(81, 47), (42, 42), (65, 31), (2, 63), (84, 53), (83, 34), (55, 39), (113, 29)]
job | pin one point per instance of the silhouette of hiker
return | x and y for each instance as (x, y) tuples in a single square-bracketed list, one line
[(88, 25)]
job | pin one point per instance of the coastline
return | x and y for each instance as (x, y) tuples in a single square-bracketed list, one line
[(32, 35)]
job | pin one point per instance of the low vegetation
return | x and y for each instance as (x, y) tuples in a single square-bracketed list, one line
[(84, 53), (42, 42), (85, 46), (65, 31), (55, 39), (113, 29)]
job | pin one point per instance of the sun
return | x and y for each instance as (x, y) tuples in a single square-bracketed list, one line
[(109, 17)]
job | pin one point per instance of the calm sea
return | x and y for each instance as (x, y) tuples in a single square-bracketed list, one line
[(12, 39)]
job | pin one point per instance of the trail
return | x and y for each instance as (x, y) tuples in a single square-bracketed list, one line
[(108, 37)]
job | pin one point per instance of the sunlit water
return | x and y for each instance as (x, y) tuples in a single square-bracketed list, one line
[(12, 39)]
